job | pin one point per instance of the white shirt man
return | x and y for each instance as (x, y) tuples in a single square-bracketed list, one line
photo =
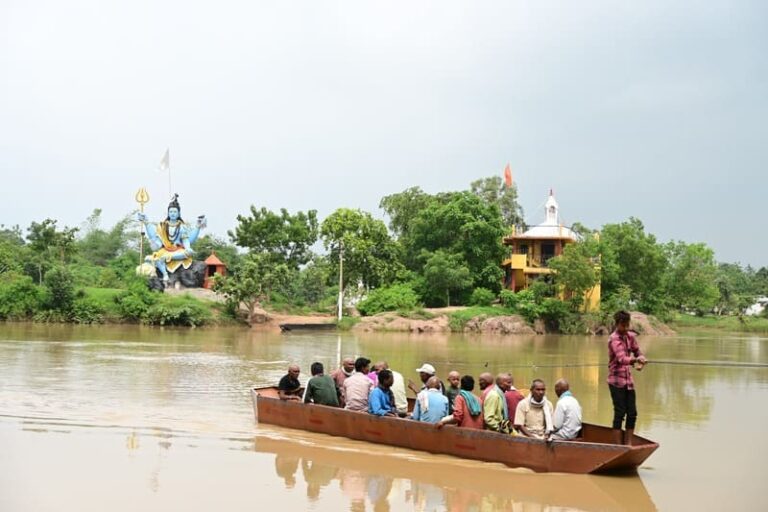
[(567, 418)]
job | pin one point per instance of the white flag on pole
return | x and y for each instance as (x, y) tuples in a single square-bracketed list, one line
[(165, 163)]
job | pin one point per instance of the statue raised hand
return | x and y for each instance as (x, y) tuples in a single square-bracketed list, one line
[(171, 239)]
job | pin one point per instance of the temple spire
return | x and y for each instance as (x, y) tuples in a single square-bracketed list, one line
[(551, 210)]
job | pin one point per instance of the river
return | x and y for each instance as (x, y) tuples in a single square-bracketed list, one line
[(138, 418)]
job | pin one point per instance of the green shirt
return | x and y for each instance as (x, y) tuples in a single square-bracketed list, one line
[(451, 392), (493, 411), (321, 390)]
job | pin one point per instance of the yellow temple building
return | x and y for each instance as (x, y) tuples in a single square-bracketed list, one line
[(533, 248)]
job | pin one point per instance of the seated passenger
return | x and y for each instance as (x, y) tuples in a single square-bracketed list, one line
[(398, 390), (321, 389), (381, 402), (495, 412), (533, 417), (431, 405), (452, 391), (567, 419), (485, 381), (289, 387), (467, 409), (512, 395), (426, 372), (358, 386)]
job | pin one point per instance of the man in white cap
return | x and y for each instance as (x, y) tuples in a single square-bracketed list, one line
[(425, 373)]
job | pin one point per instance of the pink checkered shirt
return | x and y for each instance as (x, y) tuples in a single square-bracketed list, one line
[(620, 350)]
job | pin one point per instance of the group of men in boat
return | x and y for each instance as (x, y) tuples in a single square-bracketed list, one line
[(377, 389)]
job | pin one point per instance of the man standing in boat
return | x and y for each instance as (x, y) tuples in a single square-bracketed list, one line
[(623, 353)]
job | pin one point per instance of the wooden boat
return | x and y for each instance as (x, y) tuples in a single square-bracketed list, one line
[(591, 453), (308, 327)]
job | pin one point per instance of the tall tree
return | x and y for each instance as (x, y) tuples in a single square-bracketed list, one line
[(370, 254), (208, 244), (632, 257), (494, 191), (445, 272), (49, 245), (691, 278), (576, 269), (99, 246), (403, 207), (464, 224), (254, 278), (285, 237)]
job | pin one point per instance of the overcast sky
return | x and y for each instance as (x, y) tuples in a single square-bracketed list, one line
[(653, 109)]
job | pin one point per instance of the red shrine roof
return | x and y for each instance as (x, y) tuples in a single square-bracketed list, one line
[(214, 260)]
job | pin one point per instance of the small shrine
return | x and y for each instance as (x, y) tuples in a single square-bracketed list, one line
[(213, 266), (531, 250)]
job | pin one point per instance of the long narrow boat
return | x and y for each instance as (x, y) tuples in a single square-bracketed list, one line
[(591, 453)]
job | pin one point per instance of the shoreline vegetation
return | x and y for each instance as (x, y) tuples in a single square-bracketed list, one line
[(436, 266)]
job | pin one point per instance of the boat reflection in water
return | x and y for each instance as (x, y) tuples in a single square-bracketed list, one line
[(379, 478)]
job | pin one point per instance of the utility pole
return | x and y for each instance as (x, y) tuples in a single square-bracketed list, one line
[(341, 279)]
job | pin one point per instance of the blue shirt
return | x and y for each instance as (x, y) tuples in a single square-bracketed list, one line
[(438, 408), (379, 402)]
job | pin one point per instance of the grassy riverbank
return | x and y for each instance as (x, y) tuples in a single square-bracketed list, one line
[(723, 323)]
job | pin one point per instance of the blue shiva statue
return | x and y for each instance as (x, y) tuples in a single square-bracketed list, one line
[(171, 240)]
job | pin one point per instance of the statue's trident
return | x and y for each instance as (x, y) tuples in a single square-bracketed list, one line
[(142, 197)]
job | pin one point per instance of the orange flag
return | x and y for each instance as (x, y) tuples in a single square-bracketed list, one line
[(508, 176)]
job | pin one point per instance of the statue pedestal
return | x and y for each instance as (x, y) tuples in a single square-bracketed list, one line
[(191, 277)]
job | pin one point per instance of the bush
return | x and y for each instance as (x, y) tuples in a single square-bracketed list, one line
[(19, 297), (399, 297), (182, 312), (61, 288), (133, 304), (508, 299), (87, 311), (481, 297)]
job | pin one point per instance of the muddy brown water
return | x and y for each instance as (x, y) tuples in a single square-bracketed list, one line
[(136, 418)]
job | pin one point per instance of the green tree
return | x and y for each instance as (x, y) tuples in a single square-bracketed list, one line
[(208, 244), (11, 234), (691, 277), (403, 207), (99, 246), (493, 191), (576, 269), (11, 257), (61, 287), (736, 288), (461, 223), (370, 254), (445, 272), (632, 257), (49, 245), (252, 283), (284, 237)]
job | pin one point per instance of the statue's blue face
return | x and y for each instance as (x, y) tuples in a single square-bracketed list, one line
[(173, 214)]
